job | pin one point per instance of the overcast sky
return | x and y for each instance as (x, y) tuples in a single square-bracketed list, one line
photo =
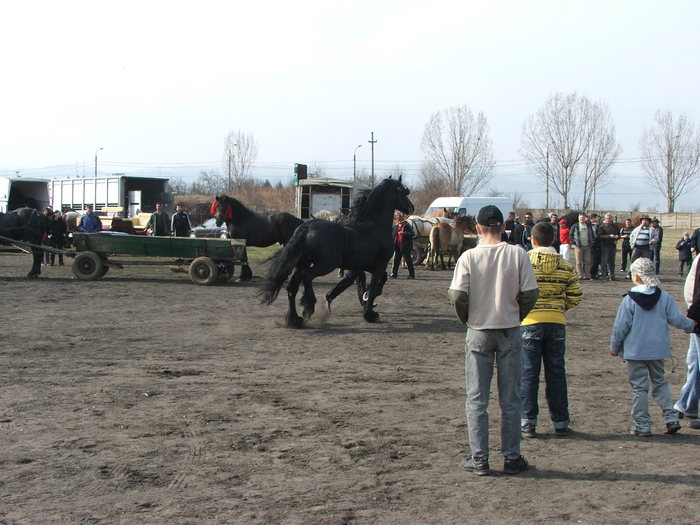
[(159, 84)]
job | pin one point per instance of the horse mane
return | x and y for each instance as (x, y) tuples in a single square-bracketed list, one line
[(375, 195), (239, 209)]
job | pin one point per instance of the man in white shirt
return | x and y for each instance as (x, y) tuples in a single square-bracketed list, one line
[(493, 288)]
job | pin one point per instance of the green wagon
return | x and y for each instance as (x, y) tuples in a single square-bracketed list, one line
[(210, 261)]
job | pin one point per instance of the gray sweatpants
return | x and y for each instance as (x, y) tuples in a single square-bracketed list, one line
[(639, 373)]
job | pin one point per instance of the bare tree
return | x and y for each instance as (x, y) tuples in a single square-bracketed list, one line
[(458, 149), (178, 186), (209, 183), (567, 133), (603, 150), (671, 155), (240, 152)]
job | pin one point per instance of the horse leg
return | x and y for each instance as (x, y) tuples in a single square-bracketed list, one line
[(246, 273), (375, 290), (362, 288), (293, 320), (339, 288), (38, 257), (308, 298)]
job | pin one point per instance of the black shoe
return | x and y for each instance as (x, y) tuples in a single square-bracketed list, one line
[(514, 466), (528, 431), (562, 432), (478, 467), (672, 427)]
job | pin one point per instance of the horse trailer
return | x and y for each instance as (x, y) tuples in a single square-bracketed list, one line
[(315, 195), (116, 194), (19, 193)]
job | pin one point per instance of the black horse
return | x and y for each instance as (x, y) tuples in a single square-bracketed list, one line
[(28, 225), (257, 230), (318, 247)]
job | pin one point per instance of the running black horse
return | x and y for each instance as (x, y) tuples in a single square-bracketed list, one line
[(318, 247), (28, 225)]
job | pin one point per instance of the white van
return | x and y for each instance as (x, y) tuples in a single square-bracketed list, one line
[(469, 205)]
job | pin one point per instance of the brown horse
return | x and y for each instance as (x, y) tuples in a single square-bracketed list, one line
[(448, 238)]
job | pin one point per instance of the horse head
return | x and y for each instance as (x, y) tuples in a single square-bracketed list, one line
[(221, 209)]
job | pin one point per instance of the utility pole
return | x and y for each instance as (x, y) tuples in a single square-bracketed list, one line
[(373, 142)]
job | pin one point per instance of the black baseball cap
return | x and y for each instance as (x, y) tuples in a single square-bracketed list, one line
[(489, 216)]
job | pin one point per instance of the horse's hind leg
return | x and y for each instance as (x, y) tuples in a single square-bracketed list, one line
[(308, 298), (293, 320), (339, 288)]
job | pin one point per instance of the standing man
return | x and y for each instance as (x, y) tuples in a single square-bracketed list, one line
[(493, 289), (695, 241), (625, 233), (642, 239), (90, 223), (159, 223), (403, 245), (595, 247), (554, 220), (510, 225), (180, 223), (607, 237), (581, 235), (687, 404), (656, 248), (527, 232)]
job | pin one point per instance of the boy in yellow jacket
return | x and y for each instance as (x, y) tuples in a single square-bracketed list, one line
[(543, 334)]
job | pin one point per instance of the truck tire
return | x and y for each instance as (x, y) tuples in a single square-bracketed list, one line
[(204, 271), (88, 266)]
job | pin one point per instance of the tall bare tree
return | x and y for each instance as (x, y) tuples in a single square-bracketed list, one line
[(671, 155), (458, 149), (240, 152), (567, 134)]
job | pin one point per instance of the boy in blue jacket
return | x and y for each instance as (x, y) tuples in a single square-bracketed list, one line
[(640, 337)]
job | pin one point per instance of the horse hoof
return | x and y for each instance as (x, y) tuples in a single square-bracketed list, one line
[(372, 317), (295, 321), (328, 303), (32, 276)]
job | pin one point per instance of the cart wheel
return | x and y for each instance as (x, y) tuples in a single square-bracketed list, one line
[(204, 271), (226, 272), (88, 266)]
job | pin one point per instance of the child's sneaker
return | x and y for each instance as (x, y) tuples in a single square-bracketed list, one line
[(514, 466), (672, 427), (642, 433), (478, 467), (563, 432), (528, 431)]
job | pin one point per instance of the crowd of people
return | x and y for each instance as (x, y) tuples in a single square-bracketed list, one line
[(512, 292)]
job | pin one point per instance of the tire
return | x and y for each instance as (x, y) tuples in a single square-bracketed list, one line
[(204, 271), (226, 272), (88, 266)]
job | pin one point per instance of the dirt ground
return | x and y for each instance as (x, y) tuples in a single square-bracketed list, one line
[(143, 398)]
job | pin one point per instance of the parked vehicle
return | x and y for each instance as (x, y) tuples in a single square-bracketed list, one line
[(469, 205), (18, 193), (210, 229)]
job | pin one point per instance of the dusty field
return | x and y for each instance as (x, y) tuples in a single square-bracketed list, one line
[(143, 398)]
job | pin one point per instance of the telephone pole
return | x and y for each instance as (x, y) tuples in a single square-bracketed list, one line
[(373, 142)]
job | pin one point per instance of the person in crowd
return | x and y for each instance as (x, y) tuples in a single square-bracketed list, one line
[(159, 223), (403, 245), (685, 257), (642, 239), (656, 248), (626, 248), (510, 225), (58, 234), (564, 239), (640, 337), (493, 315), (47, 215), (695, 241), (608, 234), (90, 222), (595, 247), (180, 224), (526, 241), (554, 220), (544, 334), (516, 236), (582, 238), (687, 404)]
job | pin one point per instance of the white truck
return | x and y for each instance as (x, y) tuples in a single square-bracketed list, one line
[(18, 193), (469, 205), (118, 194)]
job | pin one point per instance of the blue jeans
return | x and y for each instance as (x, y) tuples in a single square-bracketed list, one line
[(690, 393), (482, 348), (544, 343)]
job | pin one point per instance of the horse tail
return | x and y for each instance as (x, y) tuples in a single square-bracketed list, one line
[(283, 265)]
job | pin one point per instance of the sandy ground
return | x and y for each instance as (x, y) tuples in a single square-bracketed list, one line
[(143, 398)]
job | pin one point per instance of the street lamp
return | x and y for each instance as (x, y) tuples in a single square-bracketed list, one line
[(354, 164), (98, 149)]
